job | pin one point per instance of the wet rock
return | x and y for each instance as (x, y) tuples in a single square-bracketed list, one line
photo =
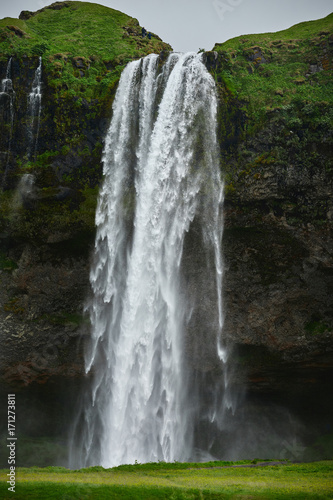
[(211, 60), (41, 316)]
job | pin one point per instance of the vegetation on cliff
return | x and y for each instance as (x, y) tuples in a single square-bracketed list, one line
[(276, 103), (84, 45), (271, 71), (275, 130), (84, 48)]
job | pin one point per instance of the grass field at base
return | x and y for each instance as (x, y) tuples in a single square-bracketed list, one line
[(214, 480)]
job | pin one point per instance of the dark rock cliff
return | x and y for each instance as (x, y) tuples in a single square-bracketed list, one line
[(278, 239)]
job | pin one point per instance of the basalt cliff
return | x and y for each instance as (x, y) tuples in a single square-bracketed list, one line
[(275, 135)]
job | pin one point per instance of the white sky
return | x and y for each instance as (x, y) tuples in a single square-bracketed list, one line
[(192, 24)]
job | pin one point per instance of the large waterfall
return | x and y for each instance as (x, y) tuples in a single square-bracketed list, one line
[(161, 173)]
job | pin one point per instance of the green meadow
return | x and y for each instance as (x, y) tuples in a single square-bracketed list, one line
[(213, 480)]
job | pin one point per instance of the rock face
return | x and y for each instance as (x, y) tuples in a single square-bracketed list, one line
[(37, 334), (278, 239), (278, 247), (278, 286)]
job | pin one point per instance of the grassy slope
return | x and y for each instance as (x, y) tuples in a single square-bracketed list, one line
[(186, 481), (91, 32), (285, 76)]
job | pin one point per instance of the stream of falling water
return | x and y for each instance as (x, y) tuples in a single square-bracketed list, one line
[(161, 171), (34, 111)]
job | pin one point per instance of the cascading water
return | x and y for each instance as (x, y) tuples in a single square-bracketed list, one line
[(6, 83), (161, 172), (34, 111), (7, 95)]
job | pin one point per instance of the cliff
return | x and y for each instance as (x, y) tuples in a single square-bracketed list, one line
[(276, 152), (48, 196), (275, 132)]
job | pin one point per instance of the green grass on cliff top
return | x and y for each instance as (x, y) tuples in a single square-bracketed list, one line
[(271, 70), (305, 30), (79, 29), (176, 481), (103, 39)]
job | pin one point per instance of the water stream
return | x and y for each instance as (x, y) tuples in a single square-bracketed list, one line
[(34, 112)]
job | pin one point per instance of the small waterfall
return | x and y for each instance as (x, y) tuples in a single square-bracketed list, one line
[(6, 83), (161, 172), (34, 112), (7, 95)]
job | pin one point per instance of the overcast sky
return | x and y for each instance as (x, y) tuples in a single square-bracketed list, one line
[(189, 25)]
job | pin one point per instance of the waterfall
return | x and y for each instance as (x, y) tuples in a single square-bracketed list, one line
[(6, 83), (34, 111), (161, 172), (8, 94)]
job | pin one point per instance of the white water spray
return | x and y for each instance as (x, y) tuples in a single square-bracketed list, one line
[(34, 111), (160, 172)]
